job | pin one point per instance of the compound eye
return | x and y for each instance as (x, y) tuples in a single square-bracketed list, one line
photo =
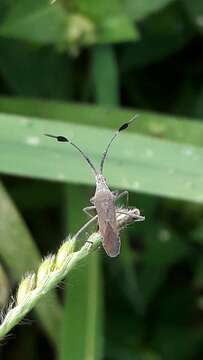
[(115, 193)]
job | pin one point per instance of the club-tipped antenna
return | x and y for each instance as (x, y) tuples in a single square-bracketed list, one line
[(64, 139), (122, 127)]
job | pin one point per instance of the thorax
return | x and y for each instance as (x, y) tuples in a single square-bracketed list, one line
[(102, 193)]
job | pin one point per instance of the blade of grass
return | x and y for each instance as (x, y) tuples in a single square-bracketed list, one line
[(51, 271), (80, 336), (19, 253), (169, 127), (4, 287), (137, 163)]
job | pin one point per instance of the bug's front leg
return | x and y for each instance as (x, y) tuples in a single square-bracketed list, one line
[(83, 228), (88, 210), (123, 194)]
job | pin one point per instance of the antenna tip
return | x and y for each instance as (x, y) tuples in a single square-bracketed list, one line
[(58, 138), (125, 125), (134, 117)]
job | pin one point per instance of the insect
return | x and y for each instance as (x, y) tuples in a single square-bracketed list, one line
[(104, 199)]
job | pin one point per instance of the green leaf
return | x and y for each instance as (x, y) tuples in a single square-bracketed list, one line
[(46, 23), (35, 21), (112, 20), (117, 29), (138, 163), (19, 253), (141, 9)]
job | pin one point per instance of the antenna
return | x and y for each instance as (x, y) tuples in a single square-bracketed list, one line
[(121, 128), (64, 139)]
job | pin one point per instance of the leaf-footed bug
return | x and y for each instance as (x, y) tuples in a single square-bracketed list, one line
[(104, 199)]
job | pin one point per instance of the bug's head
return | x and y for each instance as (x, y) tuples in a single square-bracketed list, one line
[(100, 182)]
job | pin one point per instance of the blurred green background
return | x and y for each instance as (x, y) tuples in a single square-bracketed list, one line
[(81, 68)]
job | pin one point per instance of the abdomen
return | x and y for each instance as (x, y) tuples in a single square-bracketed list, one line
[(106, 211)]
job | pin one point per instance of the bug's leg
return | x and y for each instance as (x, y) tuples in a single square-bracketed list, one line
[(123, 194), (83, 228), (88, 209), (134, 217), (123, 213)]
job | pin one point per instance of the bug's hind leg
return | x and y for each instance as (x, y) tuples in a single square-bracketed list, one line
[(122, 195), (88, 210)]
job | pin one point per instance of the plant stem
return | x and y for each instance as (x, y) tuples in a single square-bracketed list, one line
[(52, 270)]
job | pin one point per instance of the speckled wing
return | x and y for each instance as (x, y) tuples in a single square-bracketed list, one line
[(111, 241)]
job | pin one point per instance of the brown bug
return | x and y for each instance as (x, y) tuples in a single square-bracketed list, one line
[(104, 199)]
